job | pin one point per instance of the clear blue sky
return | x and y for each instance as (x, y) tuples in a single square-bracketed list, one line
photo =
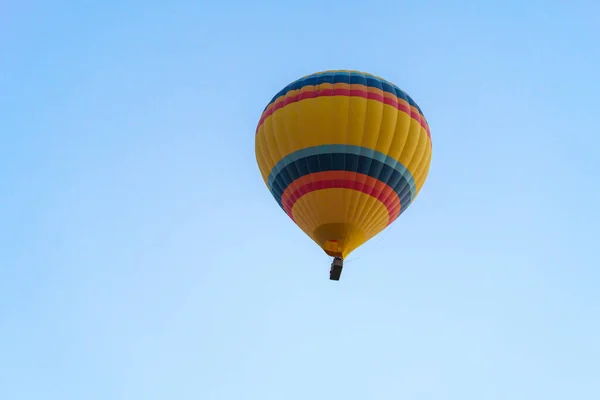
[(142, 257)]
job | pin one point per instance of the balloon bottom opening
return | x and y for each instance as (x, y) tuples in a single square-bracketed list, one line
[(338, 239)]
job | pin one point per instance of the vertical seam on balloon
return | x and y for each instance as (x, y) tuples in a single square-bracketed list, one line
[(349, 196), (425, 171), (318, 89), (344, 199), (309, 199), (423, 136), (289, 142), (369, 210), (313, 216), (411, 121), (303, 210), (286, 138), (362, 147), (266, 149), (259, 160), (273, 129), (368, 203), (261, 157), (410, 157), (353, 198), (310, 206), (397, 114), (390, 143), (332, 137), (269, 130), (271, 125), (424, 174), (413, 157), (397, 160)]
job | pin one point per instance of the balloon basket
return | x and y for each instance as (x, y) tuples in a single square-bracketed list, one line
[(336, 269)]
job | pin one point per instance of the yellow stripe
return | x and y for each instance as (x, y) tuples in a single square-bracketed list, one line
[(343, 120), (422, 173)]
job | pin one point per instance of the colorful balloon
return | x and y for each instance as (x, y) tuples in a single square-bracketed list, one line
[(344, 153)]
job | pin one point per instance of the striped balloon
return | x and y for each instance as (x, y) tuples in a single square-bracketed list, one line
[(343, 153)]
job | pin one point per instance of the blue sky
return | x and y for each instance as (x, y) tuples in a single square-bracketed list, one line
[(142, 257)]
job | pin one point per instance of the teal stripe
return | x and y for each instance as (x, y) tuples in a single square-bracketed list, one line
[(343, 149)]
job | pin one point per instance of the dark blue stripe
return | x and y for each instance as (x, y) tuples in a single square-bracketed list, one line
[(350, 78), (343, 162), (341, 148)]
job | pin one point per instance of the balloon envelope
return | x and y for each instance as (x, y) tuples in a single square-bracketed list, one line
[(343, 153)]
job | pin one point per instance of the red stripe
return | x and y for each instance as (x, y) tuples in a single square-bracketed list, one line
[(393, 207), (311, 94)]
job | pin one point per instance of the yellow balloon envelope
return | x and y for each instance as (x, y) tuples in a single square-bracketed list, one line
[(343, 153)]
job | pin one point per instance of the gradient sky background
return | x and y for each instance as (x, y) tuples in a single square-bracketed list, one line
[(142, 257)]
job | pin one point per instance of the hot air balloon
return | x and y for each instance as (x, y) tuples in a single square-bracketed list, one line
[(344, 153)]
